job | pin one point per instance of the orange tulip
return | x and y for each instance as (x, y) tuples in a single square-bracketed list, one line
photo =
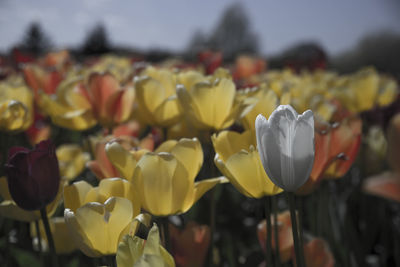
[(386, 185), (40, 130), (79, 106), (110, 103), (318, 254), (336, 147), (56, 59), (285, 236), (189, 246), (345, 143), (41, 78), (247, 66)]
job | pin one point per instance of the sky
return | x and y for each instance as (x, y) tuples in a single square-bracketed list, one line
[(337, 25)]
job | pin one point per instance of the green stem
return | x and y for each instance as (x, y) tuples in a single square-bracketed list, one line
[(276, 231), (212, 227), (292, 207), (268, 232), (50, 241), (39, 237), (165, 226), (301, 236), (110, 260)]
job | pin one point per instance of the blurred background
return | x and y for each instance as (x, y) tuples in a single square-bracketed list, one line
[(344, 35)]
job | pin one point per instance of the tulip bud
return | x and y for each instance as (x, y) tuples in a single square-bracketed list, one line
[(286, 145), (33, 175)]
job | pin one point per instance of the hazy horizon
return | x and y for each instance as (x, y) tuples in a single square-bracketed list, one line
[(336, 26)]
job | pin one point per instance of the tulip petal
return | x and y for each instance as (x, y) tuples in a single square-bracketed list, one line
[(78, 235), (247, 170), (190, 154), (94, 166), (168, 112), (129, 251), (101, 87), (121, 159), (9, 209), (150, 94), (267, 144), (227, 143), (303, 149), (266, 104), (96, 227), (75, 194), (162, 176), (192, 110), (200, 188)]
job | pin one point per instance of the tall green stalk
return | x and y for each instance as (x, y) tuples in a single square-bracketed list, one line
[(276, 231), (50, 241), (296, 240), (268, 239)]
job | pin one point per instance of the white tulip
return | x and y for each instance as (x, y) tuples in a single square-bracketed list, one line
[(286, 145)]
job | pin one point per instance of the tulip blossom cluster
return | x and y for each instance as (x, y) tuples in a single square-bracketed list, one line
[(168, 164)]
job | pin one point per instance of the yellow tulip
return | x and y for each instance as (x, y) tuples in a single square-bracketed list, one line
[(164, 180), (157, 101), (240, 162), (69, 108), (211, 105), (71, 160), (16, 105), (364, 90), (62, 239), (9, 209), (189, 78), (134, 251), (267, 101), (97, 228), (80, 193), (119, 67)]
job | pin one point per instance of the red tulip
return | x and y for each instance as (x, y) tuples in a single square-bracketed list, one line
[(33, 175)]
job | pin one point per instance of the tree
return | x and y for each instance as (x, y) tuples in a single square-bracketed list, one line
[(35, 41), (233, 35), (379, 49), (197, 43), (96, 41)]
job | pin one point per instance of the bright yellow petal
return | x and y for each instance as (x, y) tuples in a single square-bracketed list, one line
[(267, 102), (214, 102), (190, 154), (189, 78), (101, 225), (165, 77), (168, 112), (75, 194), (227, 143), (121, 159), (200, 188), (247, 170), (166, 146), (162, 182)]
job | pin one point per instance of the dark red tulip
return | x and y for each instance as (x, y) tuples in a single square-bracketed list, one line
[(33, 175)]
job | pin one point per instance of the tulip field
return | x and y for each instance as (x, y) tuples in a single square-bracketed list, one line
[(116, 161)]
